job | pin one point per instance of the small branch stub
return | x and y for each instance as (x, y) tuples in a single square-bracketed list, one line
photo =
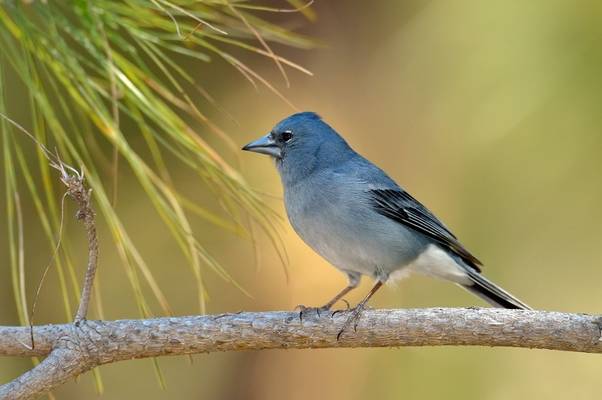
[(76, 190)]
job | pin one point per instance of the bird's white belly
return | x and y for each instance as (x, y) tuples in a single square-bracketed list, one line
[(434, 262)]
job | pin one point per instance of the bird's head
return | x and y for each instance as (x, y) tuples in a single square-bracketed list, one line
[(301, 142)]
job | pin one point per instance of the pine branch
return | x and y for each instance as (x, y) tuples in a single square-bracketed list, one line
[(75, 349)]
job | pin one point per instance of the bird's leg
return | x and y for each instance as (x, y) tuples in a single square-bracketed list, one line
[(354, 281), (338, 297), (357, 311)]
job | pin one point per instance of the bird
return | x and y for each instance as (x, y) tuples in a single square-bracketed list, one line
[(360, 220)]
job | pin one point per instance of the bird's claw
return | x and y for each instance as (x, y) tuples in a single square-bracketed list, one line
[(335, 312), (353, 319)]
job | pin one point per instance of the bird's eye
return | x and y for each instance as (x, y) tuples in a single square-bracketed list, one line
[(286, 136)]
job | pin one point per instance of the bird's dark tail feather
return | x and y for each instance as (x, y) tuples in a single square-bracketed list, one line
[(492, 293)]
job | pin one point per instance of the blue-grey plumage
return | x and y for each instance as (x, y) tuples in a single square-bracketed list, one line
[(356, 217)]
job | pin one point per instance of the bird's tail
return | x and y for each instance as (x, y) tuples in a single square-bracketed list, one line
[(492, 293)]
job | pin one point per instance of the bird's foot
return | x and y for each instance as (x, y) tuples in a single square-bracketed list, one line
[(335, 312), (353, 319), (306, 311)]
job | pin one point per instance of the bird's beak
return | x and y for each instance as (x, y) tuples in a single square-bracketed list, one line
[(264, 145)]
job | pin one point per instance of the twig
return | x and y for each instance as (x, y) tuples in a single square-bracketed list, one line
[(74, 180)]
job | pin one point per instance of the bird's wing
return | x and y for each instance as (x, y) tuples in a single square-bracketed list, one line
[(401, 207)]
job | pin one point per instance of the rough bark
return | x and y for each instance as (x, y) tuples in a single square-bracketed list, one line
[(74, 349)]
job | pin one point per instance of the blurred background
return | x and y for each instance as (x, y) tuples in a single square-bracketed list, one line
[(488, 112)]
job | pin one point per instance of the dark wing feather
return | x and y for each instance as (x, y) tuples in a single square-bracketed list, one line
[(401, 207)]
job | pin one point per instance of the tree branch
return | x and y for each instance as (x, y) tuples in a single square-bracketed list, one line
[(61, 365), (76, 349)]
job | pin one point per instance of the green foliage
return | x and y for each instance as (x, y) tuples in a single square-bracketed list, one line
[(92, 67)]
